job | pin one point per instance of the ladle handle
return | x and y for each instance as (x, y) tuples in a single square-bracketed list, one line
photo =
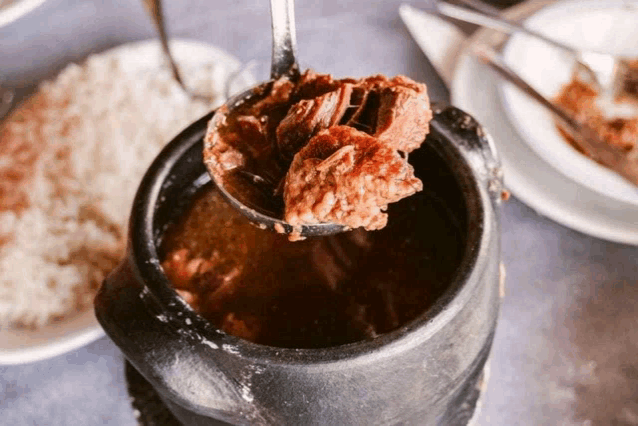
[(284, 40)]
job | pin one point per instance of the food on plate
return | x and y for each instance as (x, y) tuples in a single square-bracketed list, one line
[(580, 99), (321, 292), (583, 102), (71, 158), (322, 150), (629, 90)]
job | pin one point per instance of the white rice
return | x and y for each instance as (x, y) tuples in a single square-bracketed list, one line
[(71, 159)]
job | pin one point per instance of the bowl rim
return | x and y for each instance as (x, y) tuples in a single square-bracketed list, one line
[(56, 346)]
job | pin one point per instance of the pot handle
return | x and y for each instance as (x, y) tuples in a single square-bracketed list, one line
[(476, 145), (164, 354)]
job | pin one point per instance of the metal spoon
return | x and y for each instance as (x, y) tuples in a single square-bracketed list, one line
[(284, 63), (603, 70), (154, 8)]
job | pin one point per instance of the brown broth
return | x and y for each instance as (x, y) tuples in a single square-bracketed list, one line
[(324, 291)]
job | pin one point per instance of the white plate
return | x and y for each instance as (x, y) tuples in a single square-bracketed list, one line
[(17, 8), (609, 26), (22, 346), (527, 175)]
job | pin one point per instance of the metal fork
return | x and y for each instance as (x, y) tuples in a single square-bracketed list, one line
[(605, 71)]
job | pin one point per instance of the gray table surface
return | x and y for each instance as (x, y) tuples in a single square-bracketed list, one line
[(565, 348)]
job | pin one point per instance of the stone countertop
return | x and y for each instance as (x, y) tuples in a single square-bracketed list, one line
[(565, 347)]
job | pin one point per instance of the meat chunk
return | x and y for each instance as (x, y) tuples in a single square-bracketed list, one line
[(579, 99), (396, 110), (245, 326), (312, 85), (223, 152), (181, 268), (347, 177), (251, 150), (403, 118), (621, 133), (280, 93), (252, 127), (220, 151), (253, 131), (357, 100), (309, 116), (184, 271)]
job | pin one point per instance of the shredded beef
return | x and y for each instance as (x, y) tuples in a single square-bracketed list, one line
[(312, 85), (363, 123), (307, 117), (348, 177), (280, 93), (357, 100), (403, 118)]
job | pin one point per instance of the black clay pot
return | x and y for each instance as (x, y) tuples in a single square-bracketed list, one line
[(418, 374)]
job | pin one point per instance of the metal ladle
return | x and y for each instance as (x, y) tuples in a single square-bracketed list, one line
[(284, 63)]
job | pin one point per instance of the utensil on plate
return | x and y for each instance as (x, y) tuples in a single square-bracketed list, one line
[(587, 140), (154, 8), (605, 71), (284, 63)]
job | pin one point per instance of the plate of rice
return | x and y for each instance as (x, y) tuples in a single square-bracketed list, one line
[(71, 158)]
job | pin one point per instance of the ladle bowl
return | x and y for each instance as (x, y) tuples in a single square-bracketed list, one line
[(284, 64), (261, 218)]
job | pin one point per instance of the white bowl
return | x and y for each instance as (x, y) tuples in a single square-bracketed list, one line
[(600, 25)]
